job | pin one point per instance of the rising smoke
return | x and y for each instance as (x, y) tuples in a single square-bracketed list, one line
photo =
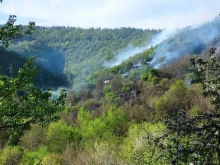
[(171, 44), (131, 50), (188, 41)]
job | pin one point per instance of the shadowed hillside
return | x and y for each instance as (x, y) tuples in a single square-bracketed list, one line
[(9, 59), (78, 52)]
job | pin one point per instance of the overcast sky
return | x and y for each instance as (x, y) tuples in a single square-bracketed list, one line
[(112, 13)]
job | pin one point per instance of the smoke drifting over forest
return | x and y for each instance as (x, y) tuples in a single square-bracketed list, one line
[(131, 50), (78, 53), (170, 44), (189, 41)]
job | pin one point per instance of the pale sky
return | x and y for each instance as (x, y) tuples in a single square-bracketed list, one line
[(144, 14)]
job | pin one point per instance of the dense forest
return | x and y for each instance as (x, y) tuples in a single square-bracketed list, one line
[(78, 52), (44, 78), (158, 107)]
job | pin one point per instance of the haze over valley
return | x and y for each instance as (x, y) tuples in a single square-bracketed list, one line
[(110, 82)]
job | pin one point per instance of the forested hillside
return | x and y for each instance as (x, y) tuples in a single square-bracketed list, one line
[(159, 107), (79, 52), (10, 62), (170, 55), (160, 118)]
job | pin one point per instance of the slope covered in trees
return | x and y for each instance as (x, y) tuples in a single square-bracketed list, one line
[(78, 52), (44, 78), (122, 121), (132, 114), (21, 102)]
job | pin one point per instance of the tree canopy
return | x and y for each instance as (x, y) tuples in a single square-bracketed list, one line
[(21, 102)]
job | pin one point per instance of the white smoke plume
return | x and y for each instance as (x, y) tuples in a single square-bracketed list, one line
[(131, 50), (194, 40), (189, 41)]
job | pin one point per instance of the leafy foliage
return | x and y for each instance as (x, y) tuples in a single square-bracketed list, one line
[(118, 119), (43, 78), (9, 31), (22, 103), (196, 140)]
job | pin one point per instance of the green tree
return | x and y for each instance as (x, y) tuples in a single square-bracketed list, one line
[(59, 135), (9, 31), (197, 139), (139, 146), (21, 102), (174, 99)]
